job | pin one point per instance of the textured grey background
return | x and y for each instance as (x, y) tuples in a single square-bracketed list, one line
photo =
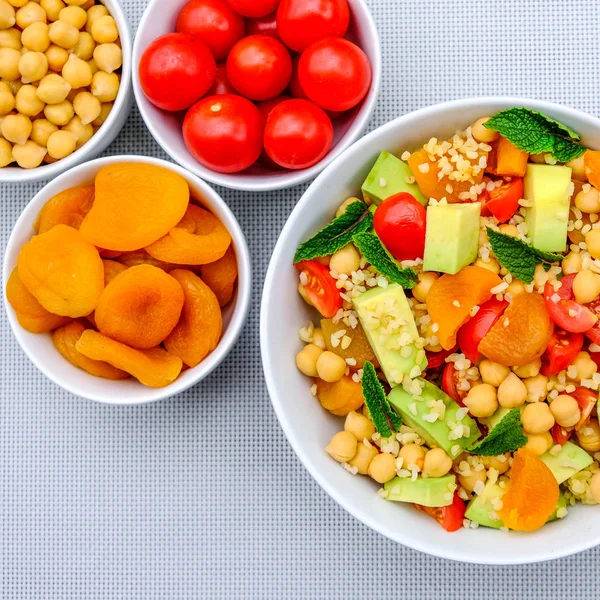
[(201, 496)]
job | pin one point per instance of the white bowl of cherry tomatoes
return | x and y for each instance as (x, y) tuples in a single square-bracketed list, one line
[(256, 95)]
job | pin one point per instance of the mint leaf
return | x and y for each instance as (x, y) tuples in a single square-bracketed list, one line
[(533, 132), (375, 254), (337, 234), (384, 418), (507, 436), (519, 258)]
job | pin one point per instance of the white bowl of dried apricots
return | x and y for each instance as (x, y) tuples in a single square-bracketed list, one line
[(127, 280)]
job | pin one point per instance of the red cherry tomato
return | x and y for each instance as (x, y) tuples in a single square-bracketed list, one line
[(224, 133), (562, 350), (561, 435), (449, 517), (566, 312), (298, 134), (593, 334), (503, 201), (303, 22), (335, 73), (266, 25), (450, 385), (320, 288), (221, 84), (213, 22), (265, 107), (475, 329), (259, 67), (437, 359), (399, 222), (176, 70), (586, 399), (253, 8)]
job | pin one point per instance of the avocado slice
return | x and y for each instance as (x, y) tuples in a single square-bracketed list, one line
[(547, 187), (570, 460), (439, 432), (375, 309), (388, 177), (451, 237), (433, 491)]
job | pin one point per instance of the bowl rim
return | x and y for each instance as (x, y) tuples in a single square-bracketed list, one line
[(244, 284), (285, 179), (123, 102), (277, 399)]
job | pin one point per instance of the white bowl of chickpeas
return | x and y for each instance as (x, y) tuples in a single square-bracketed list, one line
[(65, 84), (310, 429)]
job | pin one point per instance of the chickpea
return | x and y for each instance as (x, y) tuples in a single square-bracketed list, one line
[(61, 143), (93, 66), (14, 86), (493, 373), (104, 112), (330, 366), (588, 202), (35, 37), (436, 463), (16, 128), (306, 360), (17, 3), (585, 366), (9, 64), (577, 168), (342, 446), (75, 15), (7, 15), (59, 114), (345, 260), (63, 34), (33, 66), (108, 57), (318, 337), (592, 239), (359, 426), (105, 86), (344, 205), (565, 410), (30, 13), (57, 57), (537, 418), (87, 107), (512, 392), (82, 132), (53, 89), (586, 286), (589, 436), (41, 131), (77, 72), (537, 388), (540, 277), (363, 458), (76, 2), (469, 481), (52, 8), (27, 102), (481, 133), (382, 468), (7, 99), (500, 463), (104, 30), (515, 288), (421, 290), (6, 156), (539, 443), (491, 265), (482, 400), (29, 155), (508, 229), (10, 38), (529, 370), (94, 13), (84, 48), (412, 455), (595, 486), (572, 263)]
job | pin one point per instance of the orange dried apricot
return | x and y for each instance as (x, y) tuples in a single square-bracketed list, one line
[(153, 367), (135, 205), (340, 397), (63, 271), (141, 257), (66, 208), (112, 268), (206, 243), (199, 328), (591, 161), (140, 307), (30, 313), (220, 276), (65, 339)]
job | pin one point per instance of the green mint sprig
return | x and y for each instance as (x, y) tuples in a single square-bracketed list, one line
[(337, 234), (386, 421), (534, 132), (507, 436), (519, 258)]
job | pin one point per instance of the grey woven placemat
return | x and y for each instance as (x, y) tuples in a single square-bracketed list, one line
[(201, 496)]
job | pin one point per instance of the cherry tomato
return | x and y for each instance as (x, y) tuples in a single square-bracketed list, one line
[(562, 350), (176, 70), (298, 134), (450, 384), (335, 73), (437, 359), (221, 84), (224, 133), (399, 222), (303, 22), (475, 329), (213, 22), (586, 399), (567, 313), (503, 201), (320, 288), (561, 435), (449, 517), (593, 334), (253, 8), (264, 26), (259, 67)]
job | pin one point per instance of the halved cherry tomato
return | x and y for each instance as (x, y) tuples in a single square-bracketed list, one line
[(475, 329), (320, 288), (450, 384), (437, 359), (503, 201), (586, 399), (567, 313), (562, 350), (449, 517), (593, 334), (560, 434)]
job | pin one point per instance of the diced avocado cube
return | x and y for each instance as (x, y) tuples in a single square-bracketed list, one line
[(433, 491), (548, 189), (388, 177), (451, 237), (390, 326), (448, 432), (570, 460), (481, 510)]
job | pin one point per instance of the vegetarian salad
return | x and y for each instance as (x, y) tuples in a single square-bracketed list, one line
[(457, 328)]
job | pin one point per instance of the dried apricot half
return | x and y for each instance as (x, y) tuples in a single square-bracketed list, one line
[(140, 307), (340, 397), (135, 205), (69, 207), (63, 271), (199, 328), (220, 276)]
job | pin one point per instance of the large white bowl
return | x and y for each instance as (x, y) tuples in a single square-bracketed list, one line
[(110, 128), (309, 428), (159, 19), (39, 347)]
